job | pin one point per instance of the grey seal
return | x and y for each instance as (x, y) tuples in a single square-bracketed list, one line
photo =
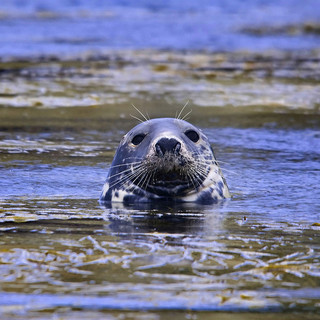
[(164, 159)]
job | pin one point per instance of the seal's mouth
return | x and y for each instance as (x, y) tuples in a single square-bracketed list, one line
[(168, 179), (165, 179), (169, 183), (169, 176)]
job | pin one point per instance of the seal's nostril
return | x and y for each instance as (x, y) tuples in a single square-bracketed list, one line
[(159, 150), (165, 145), (177, 148)]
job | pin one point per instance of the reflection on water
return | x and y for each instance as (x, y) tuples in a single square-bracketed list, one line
[(61, 251), (180, 258), (63, 255)]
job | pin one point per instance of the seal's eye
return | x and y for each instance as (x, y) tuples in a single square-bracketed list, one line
[(138, 139), (192, 135)]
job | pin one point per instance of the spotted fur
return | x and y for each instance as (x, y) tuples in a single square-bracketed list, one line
[(142, 171)]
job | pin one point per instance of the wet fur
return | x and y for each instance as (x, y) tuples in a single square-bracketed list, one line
[(138, 174)]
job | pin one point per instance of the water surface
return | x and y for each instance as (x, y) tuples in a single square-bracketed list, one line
[(65, 103), (61, 251), (67, 27)]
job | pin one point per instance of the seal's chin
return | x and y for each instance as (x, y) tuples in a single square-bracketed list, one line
[(169, 184), (169, 179)]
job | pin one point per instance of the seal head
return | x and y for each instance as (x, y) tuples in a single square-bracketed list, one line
[(164, 159)]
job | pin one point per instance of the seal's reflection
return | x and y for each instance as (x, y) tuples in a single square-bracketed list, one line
[(177, 218)]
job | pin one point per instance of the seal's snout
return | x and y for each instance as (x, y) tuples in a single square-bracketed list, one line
[(165, 145)]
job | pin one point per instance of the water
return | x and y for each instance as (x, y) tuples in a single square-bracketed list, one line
[(63, 255), (68, 27)]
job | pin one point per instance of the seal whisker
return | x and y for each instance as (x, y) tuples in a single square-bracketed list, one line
[(191, 178), (125, 173), (196, 181), (144, 117), (143, 181), (219, 161), (151, 178), (141, 173), (121, 181), (127, 176), (151, 175), (200, 170), (212, 161), (230, 171), (208, 162), (197, 177), (186, 115), (203, 164), (124, 180), (180, 113), (135, 157), (146, 179), (140, 120), (124, 164), (128, 170)]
